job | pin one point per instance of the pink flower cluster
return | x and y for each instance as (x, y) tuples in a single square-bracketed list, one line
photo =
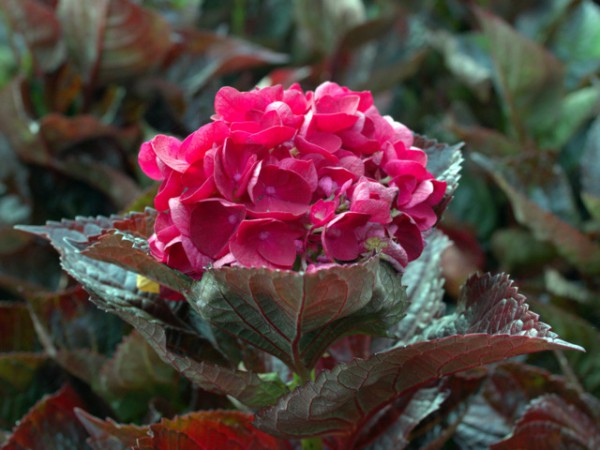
[(290, 180)]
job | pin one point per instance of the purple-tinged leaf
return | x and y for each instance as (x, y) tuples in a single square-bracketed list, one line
[(116, 240), (424, 289), (51, 423), (295, 315), (118, 187), (246, 387), (113, 40), (575, 246), (550, 423), (40, 29), (505, 394), (131, 253), (341, 400), (109, 435), (409, 413)]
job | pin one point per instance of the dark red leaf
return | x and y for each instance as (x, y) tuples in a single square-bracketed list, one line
[(40, 29), (109, 435), (113, 40), (51, 423), (211, 430), (339, 401), (296, 316), (551, 423)]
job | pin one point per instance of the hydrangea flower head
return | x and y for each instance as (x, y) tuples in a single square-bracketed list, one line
[(290, 180)]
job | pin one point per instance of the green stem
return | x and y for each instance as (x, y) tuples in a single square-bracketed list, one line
[(312, 444)]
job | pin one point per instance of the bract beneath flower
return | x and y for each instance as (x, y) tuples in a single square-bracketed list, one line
[(285, 179)]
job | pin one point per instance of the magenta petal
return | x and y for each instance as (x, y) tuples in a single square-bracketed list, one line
[(169, 188), (334, 122), (275, 190), (408, 235), (322, 212), (423, 215), (305, 168), (324, 144), (340, 237), (148, 163), (167, 150), (213, 222), (420, 194), (265, 242), (195, 146)]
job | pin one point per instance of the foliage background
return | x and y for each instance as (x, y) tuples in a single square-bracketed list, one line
[(85, 82)]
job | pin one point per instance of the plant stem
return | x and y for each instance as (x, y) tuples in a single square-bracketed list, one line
[(312, 444)]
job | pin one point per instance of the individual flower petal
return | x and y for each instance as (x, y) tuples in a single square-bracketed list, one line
[(373, 198), (408, 235), (278, 192), (209, 224), (209, 136), (341, 237), (265, 243)]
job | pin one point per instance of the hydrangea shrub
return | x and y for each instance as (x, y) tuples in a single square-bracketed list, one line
[(271, 273)]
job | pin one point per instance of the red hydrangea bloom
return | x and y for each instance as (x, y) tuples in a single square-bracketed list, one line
[(290, 180)]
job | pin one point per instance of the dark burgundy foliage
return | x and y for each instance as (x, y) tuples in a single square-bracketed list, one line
[(104, 347)]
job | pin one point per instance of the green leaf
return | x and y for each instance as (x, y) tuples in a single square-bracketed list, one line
[(577, 41), (590, 171), (575, 110), (113, 40), (528, 77), (493, 323), (296, 316), (131, 253)]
